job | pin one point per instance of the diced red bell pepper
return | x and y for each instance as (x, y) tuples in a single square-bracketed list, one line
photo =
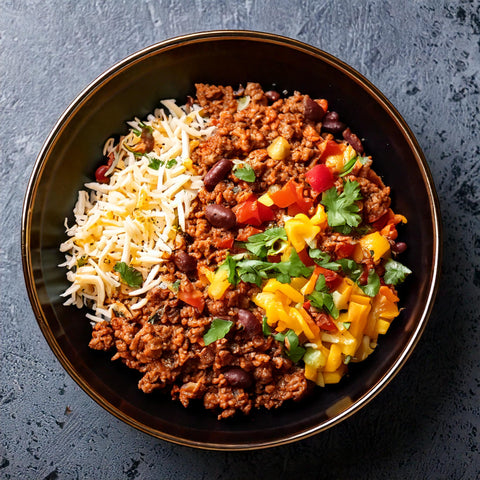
[(291, 196), (320, 178), (305, 258), (332, 148), (252, 212), (190, 295), (344, 250)]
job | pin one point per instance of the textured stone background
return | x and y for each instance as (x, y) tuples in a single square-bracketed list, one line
[(425, 57)]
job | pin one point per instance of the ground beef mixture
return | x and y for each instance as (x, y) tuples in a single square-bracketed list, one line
[(164, 339)]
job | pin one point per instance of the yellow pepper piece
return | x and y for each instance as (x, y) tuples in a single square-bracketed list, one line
[(382, 326), (350, 345), (341, 296), (311, 373), (320, 218), (301, 231), (279, 149), (376, 243), (297, 317), (357, 316), (298, 283), (207, 273), (364, 350), (311, 324), (274, 285), (334, 377), (219, 284), (334, 359), (309, 287), (266, 200), (320, 381)]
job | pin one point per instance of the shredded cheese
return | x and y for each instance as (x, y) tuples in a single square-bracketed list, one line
[(135, 218)]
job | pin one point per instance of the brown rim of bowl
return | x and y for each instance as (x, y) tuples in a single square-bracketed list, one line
[(205, 37)]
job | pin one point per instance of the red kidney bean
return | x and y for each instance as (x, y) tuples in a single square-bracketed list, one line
[(184, 262), (272, 96), (100, 174), (217, 173), (312, 110), (238, 378), (220, 217), (353, 140), (332, 124), (249, 322), (399, 247)]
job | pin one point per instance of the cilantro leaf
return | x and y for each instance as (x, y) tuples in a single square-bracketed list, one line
[(290, 340), (350, 268), (171, 163), (395, 272), (322, 299), (266, 327), (341, 208), (348, 167), (245, 172), (267, 243), (218, 329), (154, 163), (323, 259), (230, 264), (131, 276), (373, 284), (253, 271), (293, 267), (175, 286)]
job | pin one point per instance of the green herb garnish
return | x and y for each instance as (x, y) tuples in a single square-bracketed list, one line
[(131, 276), (83, 260), (341, 208), (154, 163), (267, 331), (269, 242), (171, 163), (218, 329), (245, 172), (322, 299), (323, 259), (175, 286), (290, 340), (373, 284), (348, 167), (395, 272)]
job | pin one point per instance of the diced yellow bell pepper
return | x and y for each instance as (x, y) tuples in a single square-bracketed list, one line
[(274, 285), (320, 380), (301, 231), (334, 359), (279, 149), (219, 284), (266, 200), (335, 376), (309, 287), (376, 243), (341, 296), (357, 316), (295, 315), (207, 273), (364, 349), (382, 326), (298, 283), (311, 324), (351, 344), (311, 373), (320, 217)]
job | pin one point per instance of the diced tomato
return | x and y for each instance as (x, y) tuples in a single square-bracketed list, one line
[(246, 232), (344, 250), (307, 305), (225, 242), (332, 279), (190, 295), (252, 212), (305, 258), (275, 258), (320, 178), (325, 322)]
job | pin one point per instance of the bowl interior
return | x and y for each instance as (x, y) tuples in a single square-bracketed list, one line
[(134, 88)]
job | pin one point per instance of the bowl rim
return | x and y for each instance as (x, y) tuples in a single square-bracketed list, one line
[(201, 37)]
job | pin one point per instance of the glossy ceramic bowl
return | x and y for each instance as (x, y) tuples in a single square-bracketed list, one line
[(134, 87)]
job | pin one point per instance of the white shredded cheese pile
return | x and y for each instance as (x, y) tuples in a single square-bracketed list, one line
[(134, 218)]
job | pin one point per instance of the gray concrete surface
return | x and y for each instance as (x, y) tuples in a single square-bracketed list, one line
[(424, 55)]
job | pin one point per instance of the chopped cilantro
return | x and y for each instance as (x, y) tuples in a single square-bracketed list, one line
[(230, 264), (154, 163), (373, 284), (321, 298), (267, 243), (171, 163), (266, 327), (175, 286), (348, 167), (131, 276), (218, 329), (347, 324), (290, 340), (245, 172), (350, 268), (395, 272), (341, 208), (323, 259)]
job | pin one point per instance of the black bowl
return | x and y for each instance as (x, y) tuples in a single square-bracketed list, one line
[(134, 87)]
